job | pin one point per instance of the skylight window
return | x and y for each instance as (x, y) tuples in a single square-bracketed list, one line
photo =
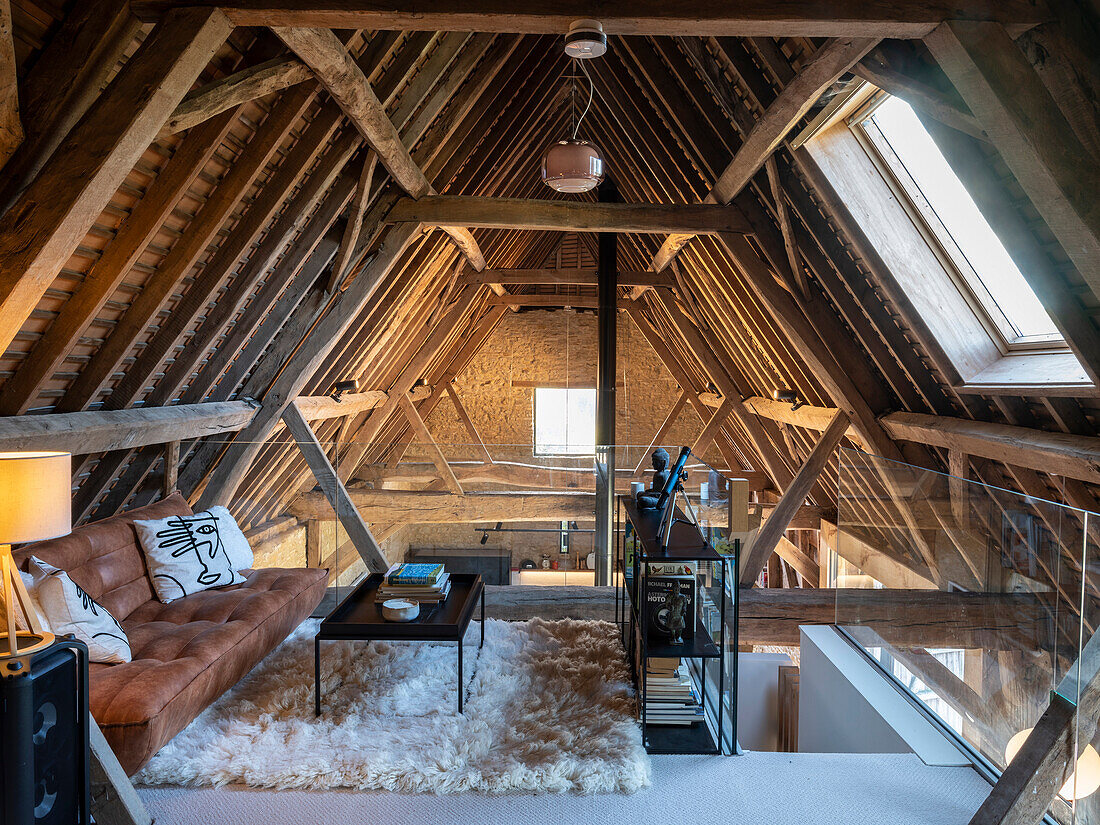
[(565, 421), (963, 233)]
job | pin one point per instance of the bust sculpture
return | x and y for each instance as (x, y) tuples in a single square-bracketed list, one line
[(648, 499)]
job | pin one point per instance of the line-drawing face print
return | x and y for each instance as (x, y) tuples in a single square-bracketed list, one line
[(198, 535)]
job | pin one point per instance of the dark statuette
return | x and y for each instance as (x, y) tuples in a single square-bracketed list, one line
[(648, 499), (676, 606)]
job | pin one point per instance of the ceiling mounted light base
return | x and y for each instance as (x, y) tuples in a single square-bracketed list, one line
[(586, 39), (572, 165)]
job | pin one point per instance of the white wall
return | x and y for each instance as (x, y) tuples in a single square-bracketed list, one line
[(758, 699), (846, 705)]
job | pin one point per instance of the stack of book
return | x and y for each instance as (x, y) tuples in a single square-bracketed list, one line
[(419, 582), (670, 698)]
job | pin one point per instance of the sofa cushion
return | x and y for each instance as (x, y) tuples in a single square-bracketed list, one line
[(104, 559), (187, 653)]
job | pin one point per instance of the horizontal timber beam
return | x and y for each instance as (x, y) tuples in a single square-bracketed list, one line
[(405, 507), (83, 433), (529, 476), (904, 618), (553, 277), (749, 18), (1073, 456), (569, 216), (317, 407)]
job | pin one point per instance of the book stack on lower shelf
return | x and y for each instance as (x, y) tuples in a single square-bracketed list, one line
[(670, 698), (418, 582)]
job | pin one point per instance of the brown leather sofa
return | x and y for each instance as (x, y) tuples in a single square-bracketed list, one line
[(185, 654)]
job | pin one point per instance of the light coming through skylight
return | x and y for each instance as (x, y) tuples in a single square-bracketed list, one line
[(1001, 286)]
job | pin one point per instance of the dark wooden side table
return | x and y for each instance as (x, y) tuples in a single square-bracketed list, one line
[(359, 618)]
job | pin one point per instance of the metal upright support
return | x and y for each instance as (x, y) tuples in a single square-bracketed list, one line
[(607, 288)]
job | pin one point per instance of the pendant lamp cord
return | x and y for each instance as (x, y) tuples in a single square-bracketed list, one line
[(591, 94)]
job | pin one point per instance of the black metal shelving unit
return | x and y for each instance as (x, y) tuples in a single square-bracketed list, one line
[(686, 544)]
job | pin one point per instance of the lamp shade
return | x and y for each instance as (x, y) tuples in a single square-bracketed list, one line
[(35, 496), (572, 166)]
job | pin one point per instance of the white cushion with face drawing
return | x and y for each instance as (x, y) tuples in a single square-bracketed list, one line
[(186, 554)]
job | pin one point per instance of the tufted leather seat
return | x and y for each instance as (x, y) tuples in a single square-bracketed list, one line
[(185, 654)]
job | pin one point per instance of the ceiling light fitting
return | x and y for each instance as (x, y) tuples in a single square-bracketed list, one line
[(574, 165)]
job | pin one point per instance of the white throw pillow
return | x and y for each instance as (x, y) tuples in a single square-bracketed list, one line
[(186, 554), (68, 609)]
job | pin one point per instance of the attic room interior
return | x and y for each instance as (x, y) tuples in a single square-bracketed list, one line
[(567, 411)]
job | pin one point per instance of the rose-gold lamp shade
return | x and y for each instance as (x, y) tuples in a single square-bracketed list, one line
[(572, 166)]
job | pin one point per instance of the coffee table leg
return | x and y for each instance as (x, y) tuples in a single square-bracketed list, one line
[(316, 677), (482, 619), (460, 689)]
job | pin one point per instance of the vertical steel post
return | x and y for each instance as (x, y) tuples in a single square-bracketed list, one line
[(607, 289)]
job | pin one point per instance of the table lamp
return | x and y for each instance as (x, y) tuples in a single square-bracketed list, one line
[(35, 504)]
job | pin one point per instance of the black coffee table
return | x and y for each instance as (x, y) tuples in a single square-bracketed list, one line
[(359, 618)]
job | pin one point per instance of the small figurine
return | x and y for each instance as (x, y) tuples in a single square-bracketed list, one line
[(675, 606), (648, 499)]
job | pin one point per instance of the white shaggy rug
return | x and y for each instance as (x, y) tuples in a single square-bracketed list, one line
[(549, 708)]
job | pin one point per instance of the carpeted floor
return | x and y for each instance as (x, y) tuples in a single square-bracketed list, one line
[(764, 788)]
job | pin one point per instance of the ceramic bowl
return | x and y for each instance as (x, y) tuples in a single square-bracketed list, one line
[(400, 610)]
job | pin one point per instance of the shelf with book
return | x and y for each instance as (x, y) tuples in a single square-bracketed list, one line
[(658, 586)]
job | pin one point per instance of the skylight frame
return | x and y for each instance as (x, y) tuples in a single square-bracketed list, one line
[(940, 240)]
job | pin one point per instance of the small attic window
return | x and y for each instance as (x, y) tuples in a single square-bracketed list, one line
[(565, 421), (918, 170)]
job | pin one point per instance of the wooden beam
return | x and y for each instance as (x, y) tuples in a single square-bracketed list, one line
[(84, 433), (793, 498), (568, 216), (54, 214), (662, 430), (875, 69), (11, 127), (784, 113), (551, 277), (711, 428), (751, 18), (356, 210), (524, 476), (306, 356), (334, 491), (430, 507), (234, 89), (114, 801), (1048, 757), (420, 429), (171, 468), (316, 407), (1029, 131), (806, 415), (806, 567), (1074, 456), (468, 423), (322, 51), (65, 80), (905, 618)]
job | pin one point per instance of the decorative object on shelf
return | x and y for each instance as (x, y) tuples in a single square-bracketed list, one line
[(35, 504), (527, 564), (650, 499), (400, 610), (545, 561), (573, 164), (670, 600)]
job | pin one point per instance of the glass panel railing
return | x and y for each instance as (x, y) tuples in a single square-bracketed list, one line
[(973, 598)]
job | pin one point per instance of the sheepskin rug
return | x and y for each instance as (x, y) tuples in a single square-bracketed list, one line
[(549, 708)]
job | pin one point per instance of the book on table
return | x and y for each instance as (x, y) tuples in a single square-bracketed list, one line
[(422, 583)]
